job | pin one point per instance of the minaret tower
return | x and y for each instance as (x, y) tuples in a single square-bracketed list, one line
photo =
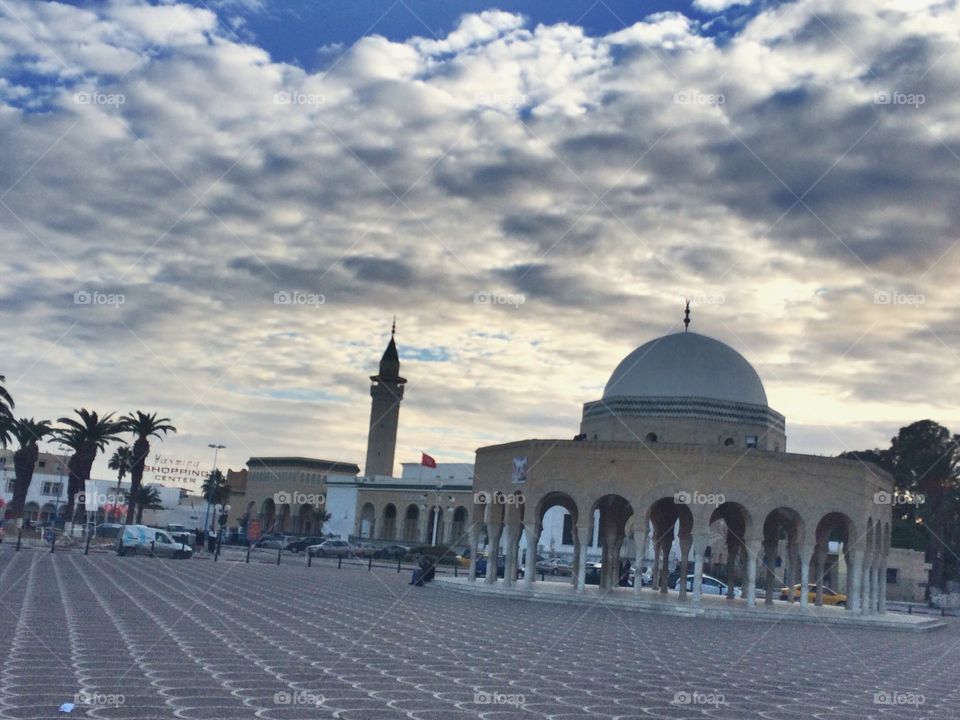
[(387, 392)]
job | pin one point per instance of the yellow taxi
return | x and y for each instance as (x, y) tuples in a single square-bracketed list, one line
[(830, 597)]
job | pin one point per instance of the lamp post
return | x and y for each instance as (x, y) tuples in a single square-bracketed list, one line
[(206, 515)]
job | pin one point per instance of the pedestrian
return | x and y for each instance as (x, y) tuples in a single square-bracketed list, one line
[(198, 539), (211, 539)]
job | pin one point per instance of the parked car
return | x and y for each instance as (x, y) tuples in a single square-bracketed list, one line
[(710, 585), (391, 552), (366, 550), (108, 530), (441, 554), (554, 566), (298, 546), (274, 541), (331, 548), (830, 597), (137, 540), (481, 567)]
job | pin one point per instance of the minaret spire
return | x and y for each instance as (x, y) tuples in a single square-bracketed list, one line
[(393, 328), (686, 317)]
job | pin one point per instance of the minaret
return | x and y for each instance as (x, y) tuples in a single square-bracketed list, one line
[(387, 392)]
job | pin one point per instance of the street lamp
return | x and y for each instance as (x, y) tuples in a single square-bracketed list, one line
[(206, 515)]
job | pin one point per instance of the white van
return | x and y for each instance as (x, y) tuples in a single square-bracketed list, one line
[(137, 539)]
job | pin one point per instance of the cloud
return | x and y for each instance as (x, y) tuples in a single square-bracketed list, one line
[(797, 179)]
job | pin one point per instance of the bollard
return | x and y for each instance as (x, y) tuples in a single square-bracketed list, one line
[(53, 543), (279, 550), (18, 540), (339, 561), (151, 548), (86, 549), (370, 563), (248, 554), (943, 612), (309, 559), (909, 609), (398, 563), (456, 567), (542, 576)]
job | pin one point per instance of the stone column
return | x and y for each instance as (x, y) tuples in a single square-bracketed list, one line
[(655, 570), (473, 533), (447, 527), (855, 573), (882, 599), (752, 548), (640, 544), (733, 552), (665, 564), (510, 554), (874, 586), (805, 553), (769, 568), (532, 534), (699, 548), (494, 530), (583, 536), (865, 579), (423, 522), (685, 542), (821, 556)]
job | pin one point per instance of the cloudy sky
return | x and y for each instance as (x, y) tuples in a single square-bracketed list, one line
[(172, 173)]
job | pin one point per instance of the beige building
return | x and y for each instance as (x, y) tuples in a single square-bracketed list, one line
[(683, 453), (286, 494)]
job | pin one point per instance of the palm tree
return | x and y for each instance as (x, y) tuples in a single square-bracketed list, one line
[(6, 417), (28, 433), (121, 461), (86, 437), (319, 518), (147, 497), (215, 489), (143, 427)]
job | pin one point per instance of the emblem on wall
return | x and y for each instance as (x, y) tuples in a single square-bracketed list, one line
[(519, 470)]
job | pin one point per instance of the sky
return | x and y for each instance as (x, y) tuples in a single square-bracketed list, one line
[(215, 210)]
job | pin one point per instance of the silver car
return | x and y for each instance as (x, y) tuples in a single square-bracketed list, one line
[(332, 548), (142, 540)]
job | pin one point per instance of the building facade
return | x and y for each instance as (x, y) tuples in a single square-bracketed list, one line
[(683, 453)]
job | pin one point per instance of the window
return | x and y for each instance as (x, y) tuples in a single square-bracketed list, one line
[(41, 463), (751, 441), (10, 485), (892, 574), (651, 437), (51, 488), (728, 442)]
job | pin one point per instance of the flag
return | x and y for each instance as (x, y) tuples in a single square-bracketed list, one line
[(427, 461)]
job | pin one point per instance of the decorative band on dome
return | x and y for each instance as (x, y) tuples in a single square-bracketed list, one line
[(695, 408)]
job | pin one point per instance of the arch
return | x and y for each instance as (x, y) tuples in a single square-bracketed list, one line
[(651, 437), (47, 512), (411, 520), (388, 526), (614, 512), (736, 525), (672, 523), (557, 525), (783, 532), (368, 515), (459, 524), (283, 518), (269, 511), (31, 511), (729, 442), (304, 523)]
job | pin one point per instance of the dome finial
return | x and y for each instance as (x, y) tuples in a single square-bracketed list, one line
[(686, 317), (393, 328)]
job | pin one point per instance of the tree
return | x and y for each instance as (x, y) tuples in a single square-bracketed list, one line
[(143, 427), (28, 433), (6, 401), (6, 416), (86, 437), (320, 516), (924, 460), (121, 461), (215, 489), (146, 497)]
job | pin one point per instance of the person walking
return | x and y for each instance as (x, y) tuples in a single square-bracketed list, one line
[(212, 539)]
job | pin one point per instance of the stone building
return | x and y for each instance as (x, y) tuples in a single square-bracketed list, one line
[(683, 451)]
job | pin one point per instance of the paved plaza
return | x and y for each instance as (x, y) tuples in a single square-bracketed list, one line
[(147, 638)]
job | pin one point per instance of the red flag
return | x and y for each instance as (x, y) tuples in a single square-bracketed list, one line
[(427, 461)]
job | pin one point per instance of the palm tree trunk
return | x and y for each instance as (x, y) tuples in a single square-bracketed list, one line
[(141, 449), (24, 460)]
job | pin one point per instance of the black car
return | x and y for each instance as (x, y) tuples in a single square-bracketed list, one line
[(391, 552), (298, 546)]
